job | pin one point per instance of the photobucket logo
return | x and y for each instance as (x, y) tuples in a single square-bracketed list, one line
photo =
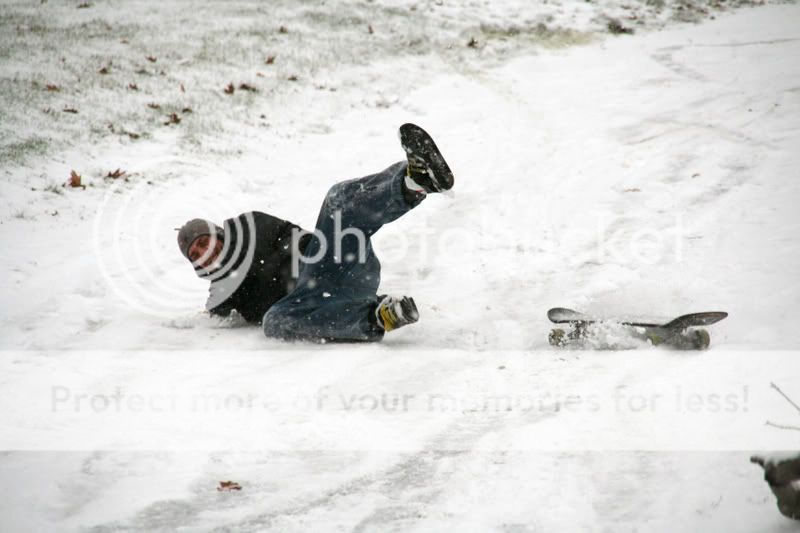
[(620, 240), (611, 238), (135, 247), (339, 247)]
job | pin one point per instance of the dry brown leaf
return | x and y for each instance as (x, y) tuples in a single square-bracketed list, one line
[(74, 179), (133, 87), (116, 174), (247, 87), (173, 119), (230, 89), (292, 78), (227, 486), (270, 60), (152, 59), (52, 87), (153, 106), (104, 70)]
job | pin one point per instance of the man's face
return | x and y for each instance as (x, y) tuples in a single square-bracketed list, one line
[(205, 250)]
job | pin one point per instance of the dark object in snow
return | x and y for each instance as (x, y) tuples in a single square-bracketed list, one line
[(84, 5), (229, 89), (152, 105), (133, 87), (615, 27), (283, 29), (783, 476), (678, 333), (51, 87), (370, 29), (152, 59), (293, 77), (104, 70), (173, 119), (473, 43), (247, 87), (186, 110), (270, 60), (70, 110), (227, 486)]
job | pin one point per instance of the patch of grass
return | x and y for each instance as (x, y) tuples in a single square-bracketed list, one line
[(20, 151), (539, 33)]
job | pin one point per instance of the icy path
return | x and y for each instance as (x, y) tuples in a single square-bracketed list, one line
[(562, 157)]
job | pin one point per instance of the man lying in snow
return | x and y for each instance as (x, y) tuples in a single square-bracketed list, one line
[(783, 475), (319, 286)]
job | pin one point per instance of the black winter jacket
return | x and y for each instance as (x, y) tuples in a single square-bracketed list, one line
[(255, 270)]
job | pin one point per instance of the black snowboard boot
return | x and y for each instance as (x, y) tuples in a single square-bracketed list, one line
[(427, 170), (393, 312)]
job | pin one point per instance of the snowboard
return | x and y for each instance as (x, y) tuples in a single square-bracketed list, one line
[(686, 332)]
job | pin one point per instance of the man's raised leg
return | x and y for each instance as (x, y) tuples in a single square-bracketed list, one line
[(335, 297)]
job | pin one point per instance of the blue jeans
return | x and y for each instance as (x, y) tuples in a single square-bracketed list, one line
[(335, 295)]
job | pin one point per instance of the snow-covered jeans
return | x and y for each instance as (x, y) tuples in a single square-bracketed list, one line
[(335, 295)]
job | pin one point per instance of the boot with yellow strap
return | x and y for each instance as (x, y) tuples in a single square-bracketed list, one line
[(393, 312)]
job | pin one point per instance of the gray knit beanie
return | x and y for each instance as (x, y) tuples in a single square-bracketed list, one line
[(193, 229)]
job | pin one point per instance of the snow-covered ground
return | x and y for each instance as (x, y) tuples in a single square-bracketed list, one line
[(645, 174)]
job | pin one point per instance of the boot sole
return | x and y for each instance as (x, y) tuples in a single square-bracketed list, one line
[(416, 141)]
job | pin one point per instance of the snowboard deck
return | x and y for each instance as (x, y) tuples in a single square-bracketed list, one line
[(684, 332)]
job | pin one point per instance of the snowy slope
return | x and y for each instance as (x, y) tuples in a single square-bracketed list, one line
[(652, 174)]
